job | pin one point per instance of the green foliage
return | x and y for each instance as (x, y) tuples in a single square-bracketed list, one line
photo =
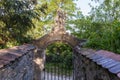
[(107, 15), (59, 53), (101, 27), (16, 19), (107, 38), (22, 21), (48, 19)]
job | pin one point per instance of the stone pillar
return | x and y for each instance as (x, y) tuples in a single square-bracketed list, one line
[(79, 73), (39, 61)]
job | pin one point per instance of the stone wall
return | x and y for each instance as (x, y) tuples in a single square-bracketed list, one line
[(96, 65), (17, 63), (20, 63)]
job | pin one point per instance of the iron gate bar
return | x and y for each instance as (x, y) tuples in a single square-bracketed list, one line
[(44, 74), (51, 72), (65, 73), (58, 70), (62, 72)]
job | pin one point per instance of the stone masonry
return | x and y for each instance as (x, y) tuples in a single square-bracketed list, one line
[(17, 63), (88, 64), (22, 63), (96, 65)]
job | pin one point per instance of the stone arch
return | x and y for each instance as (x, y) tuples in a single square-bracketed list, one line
[(58, 33), (65, 42), (42, 43)]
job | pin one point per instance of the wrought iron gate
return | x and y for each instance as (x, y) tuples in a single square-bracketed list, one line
[(56, 69)]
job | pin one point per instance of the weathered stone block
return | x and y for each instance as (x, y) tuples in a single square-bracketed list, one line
[(17, 67)]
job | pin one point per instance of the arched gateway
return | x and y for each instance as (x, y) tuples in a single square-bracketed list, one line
[(58, 33)]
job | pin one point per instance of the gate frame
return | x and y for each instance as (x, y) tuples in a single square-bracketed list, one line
[(58, 33)]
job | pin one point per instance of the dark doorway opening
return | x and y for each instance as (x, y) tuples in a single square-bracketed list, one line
[(59, 62)]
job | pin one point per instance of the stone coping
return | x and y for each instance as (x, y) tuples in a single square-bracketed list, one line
[(106, 59), (11, 54)]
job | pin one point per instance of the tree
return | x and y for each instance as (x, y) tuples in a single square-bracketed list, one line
[(59, 53), (106, 16), (16, 19), (108, 11), (47, 20), (101, 28)]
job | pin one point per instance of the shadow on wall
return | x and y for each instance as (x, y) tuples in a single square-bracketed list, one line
[(39, 59)]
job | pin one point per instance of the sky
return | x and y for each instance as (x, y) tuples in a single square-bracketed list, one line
[(84, 5)]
